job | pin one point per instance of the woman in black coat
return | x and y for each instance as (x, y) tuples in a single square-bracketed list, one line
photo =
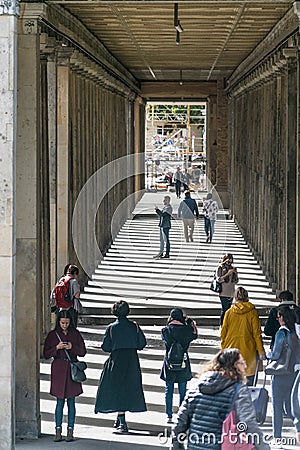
[(184, 331), (120, 388)]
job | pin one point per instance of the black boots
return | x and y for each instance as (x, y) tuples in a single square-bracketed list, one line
[(120, 424)]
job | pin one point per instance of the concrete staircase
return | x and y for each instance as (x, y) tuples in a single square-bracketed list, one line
[(152, 288)]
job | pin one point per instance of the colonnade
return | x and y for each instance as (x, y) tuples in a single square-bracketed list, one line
[(264, 152)]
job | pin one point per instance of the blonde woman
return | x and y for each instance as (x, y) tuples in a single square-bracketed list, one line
[(241, 329)]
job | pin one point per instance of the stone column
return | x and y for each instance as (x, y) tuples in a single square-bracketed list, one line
[(63, 219), (222, 145), (291, 169), (212, 145), (137, 144), (52, 115), (8, 114), (28, 307)]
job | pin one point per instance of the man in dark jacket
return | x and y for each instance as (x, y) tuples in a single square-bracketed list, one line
[(187, 210), (165, 216), (272, 324)]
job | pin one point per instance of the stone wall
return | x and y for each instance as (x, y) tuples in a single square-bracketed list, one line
[(264, 154)]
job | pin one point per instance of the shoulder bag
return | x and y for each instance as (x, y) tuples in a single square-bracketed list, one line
[(232, 437), (77, 367), (282, 365), (215, 285)]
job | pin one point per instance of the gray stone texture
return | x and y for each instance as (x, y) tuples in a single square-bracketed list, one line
[(8, 67)]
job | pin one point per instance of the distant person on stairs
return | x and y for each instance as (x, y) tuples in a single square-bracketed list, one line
[(186, 211), (182, 330), (165, 216), (178, 180), (72, 303), (210, 209), (228, 276), (120, 387)]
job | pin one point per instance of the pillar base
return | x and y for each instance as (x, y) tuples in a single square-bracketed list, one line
[(28, 429)]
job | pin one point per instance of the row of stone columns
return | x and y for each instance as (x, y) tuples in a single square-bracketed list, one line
[(67, 119), (264, 155)]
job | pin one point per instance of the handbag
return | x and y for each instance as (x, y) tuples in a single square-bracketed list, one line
[(77, 367), (215, 285), (77, 370), (232, 437), (282, 365)]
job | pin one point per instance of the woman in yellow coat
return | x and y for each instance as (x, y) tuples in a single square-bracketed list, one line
[(241, 329)]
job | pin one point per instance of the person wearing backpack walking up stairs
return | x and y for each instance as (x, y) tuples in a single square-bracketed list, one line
[(176, 336), (66, 294)]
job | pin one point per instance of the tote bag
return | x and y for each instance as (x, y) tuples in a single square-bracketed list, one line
[(232, 438)]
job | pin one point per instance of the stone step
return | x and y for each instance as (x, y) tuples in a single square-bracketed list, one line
[(153, 287)]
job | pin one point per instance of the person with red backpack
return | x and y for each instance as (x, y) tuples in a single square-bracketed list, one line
[(66, 293)]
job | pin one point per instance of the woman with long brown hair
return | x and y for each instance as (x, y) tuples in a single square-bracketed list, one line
[(64, 338), (227, 275), (220, 387)]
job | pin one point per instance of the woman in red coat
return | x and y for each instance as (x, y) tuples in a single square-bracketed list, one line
[(62, 385)]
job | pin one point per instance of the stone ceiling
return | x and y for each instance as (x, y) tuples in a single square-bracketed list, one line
[(217, 35)]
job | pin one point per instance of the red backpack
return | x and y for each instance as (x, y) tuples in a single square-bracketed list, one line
[(61, 293)]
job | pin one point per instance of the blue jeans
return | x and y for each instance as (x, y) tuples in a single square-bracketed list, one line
[(209, 227), (177, 188), (281, 386), (226, 303), (164, 238), (59, 412), (169, 396)]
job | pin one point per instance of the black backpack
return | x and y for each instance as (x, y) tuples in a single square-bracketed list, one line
[(176, 357)]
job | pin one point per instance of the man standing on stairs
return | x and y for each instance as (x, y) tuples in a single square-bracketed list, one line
[(165, 216), (210, 209), (177, 180), (186, 211)]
